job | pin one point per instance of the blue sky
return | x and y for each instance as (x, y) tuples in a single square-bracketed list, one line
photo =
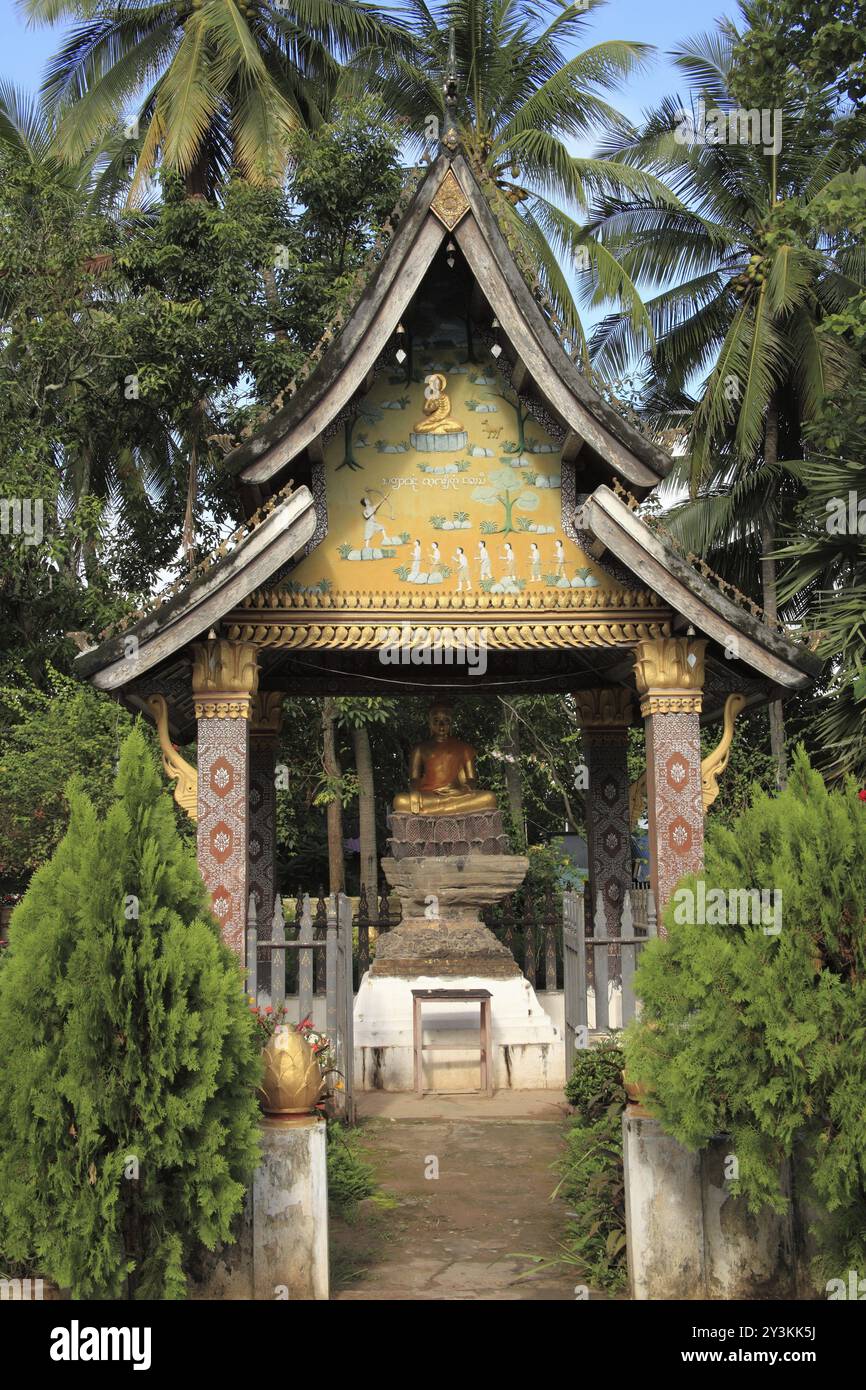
[(24, 51)]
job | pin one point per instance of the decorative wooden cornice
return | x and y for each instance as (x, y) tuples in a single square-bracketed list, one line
[(605, 708), (309, 605), (502, 635), (669, 673), (225, 677)]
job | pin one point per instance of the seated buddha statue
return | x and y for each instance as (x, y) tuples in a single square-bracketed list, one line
[(437, 408), (442, 774)]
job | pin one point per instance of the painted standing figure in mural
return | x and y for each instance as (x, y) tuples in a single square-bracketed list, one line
[(463, 576), (510, 561), (534, 563), (485, 571), (371, 522), (416, 560), (560, 560)]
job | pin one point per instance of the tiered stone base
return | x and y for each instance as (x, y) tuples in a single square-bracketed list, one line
[(421, 837), (464, 949)]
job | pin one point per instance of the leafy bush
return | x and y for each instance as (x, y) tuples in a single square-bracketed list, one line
[(130, 1125), (596, 1080), (760, 1034), (350, 1177), (593, 1184)]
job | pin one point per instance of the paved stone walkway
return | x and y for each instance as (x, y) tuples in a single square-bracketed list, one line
[(459, 1236)]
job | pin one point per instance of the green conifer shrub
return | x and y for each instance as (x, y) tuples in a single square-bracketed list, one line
[(762, 1035), (129, 1066)]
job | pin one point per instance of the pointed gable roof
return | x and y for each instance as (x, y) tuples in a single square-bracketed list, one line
[(450, 202)]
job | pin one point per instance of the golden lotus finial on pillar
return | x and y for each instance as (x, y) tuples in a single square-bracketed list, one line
[(293, 1082)]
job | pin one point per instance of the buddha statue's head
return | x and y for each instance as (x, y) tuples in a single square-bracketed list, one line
[(440, 717)]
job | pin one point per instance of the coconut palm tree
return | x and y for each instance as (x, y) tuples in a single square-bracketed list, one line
[(746, 276), (523, 98), (28, 131), (217, 83)]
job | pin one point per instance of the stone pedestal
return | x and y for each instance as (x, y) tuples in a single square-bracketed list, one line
[(442, 932), (442, 943), (282, 1249)]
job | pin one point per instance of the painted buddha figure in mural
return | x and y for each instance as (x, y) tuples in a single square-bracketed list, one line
[(442, 774), (437, 408)]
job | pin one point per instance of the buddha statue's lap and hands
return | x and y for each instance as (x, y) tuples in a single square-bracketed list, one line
[(442, 774)]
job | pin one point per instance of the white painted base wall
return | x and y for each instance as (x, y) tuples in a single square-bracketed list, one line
[(528, 1049)]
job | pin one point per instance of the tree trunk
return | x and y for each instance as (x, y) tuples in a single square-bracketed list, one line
[(336, 872), (273, 297), (366, 810), (770, 600), (513, 779)]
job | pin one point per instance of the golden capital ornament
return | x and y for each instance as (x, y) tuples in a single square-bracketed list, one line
[(669, 674), (225, 677)]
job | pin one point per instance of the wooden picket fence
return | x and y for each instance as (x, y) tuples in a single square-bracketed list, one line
[(323, 946)]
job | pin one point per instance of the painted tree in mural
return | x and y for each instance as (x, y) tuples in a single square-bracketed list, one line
[(521, 417), (363, 413), (511, 492)]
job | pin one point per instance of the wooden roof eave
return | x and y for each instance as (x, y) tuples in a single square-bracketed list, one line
[(342, 370), (159, 635), (786, 664), (577, 403), (353, 353)]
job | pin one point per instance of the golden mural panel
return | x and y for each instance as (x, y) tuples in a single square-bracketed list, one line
[(441, 483)]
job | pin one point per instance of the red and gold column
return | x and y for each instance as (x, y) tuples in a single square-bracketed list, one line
[(264, 743), (605, 716), (224, 681), (669, 672)]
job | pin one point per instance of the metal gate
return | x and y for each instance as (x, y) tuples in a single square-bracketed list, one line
[(637, 925), (336, 942)]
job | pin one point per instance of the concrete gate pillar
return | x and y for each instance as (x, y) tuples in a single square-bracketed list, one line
[(605, 715), (669, 672), (224, 680)]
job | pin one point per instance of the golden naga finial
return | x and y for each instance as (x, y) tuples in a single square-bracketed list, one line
[(715, 763), (177, 769), (712, 766)]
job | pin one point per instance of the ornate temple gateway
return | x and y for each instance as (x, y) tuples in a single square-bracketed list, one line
[(444, 499)]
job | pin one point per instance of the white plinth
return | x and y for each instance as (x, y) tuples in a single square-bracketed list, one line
[(528, 1050)]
